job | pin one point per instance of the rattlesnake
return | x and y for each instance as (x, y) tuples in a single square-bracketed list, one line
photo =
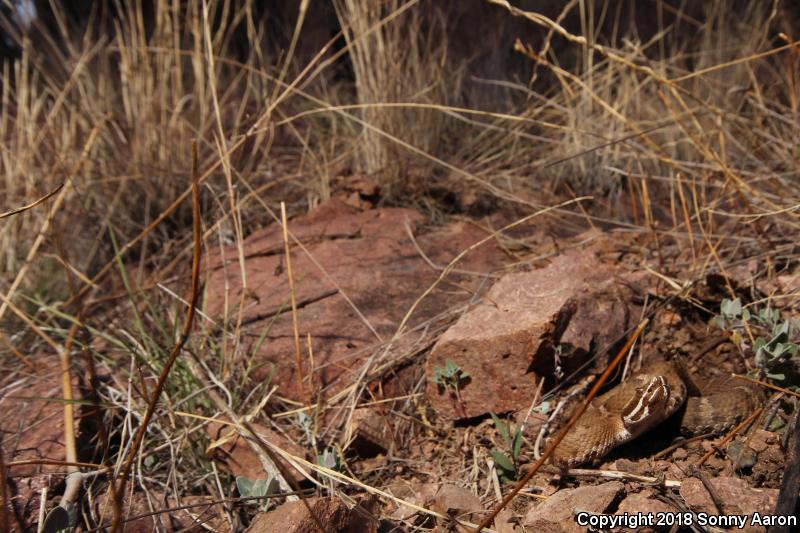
[(646, 400)]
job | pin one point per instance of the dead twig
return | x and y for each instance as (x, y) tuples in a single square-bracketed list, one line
[(767, 385), (33, 204), (616, 474), (680, 444)]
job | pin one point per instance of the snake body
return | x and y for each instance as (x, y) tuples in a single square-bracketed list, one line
[(645, 401)]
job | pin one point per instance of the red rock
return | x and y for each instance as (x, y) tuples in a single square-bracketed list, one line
[(734, 493), (505, 522), (420, 494), (761, 440), (511, 335), (557, 513), (446, 499), (456, 501), (644, 503), (235, 454), (370, 257), (373, 432), (332, 514), (33, 429)]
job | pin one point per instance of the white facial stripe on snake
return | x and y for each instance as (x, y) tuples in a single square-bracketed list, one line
[(650, 401)]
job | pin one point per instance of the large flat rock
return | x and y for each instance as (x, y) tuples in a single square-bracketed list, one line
[(546, 322), (367, 255)]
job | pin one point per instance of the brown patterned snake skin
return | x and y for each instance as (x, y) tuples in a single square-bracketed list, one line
[(646, 400)]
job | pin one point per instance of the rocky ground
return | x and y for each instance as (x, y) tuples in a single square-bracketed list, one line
[(411, 335)]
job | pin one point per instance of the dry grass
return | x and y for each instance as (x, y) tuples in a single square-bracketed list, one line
[(688, 135), (397, 57), (147, 92)]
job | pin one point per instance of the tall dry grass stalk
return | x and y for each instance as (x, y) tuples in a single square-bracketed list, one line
[(404, 60)]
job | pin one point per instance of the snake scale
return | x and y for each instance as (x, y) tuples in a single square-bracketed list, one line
[(646, 400)]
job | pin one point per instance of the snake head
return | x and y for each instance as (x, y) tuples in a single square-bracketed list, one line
[(647, 407)]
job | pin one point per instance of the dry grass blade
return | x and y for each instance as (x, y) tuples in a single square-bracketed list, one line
[(78, 464), (298, 359), (13, 350), (563, 433)]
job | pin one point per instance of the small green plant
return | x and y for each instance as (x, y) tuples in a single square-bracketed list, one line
[(777, 353), (450, 375), (732, 316), (508, 462), (330, 458), (776, 345), (258, 488)]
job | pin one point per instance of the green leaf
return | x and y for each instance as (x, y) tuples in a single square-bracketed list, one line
[(502, 429), (245, 486), (780, 349), (329, 459), (543, 407), (731, 309), (502, 461), (260, 487), (516, 444)]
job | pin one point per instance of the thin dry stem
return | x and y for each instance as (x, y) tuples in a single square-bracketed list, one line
[(298, 358)]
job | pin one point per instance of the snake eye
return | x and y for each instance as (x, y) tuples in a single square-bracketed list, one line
[(648, 402)]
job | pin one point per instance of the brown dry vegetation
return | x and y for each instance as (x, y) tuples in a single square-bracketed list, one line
[(677, 126)]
